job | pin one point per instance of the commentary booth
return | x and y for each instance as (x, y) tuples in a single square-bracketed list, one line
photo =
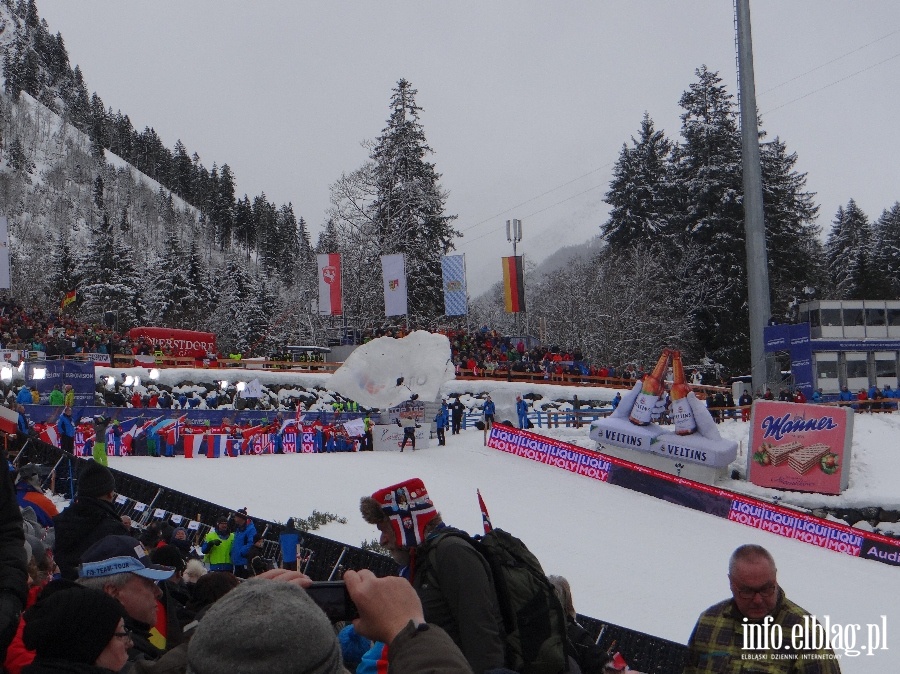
[(852, 343)]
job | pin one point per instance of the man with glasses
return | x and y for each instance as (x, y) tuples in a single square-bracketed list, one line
[(738, 635), (121, 567)]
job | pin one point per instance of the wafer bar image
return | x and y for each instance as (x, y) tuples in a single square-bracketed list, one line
[(802, 460), (779, 453)]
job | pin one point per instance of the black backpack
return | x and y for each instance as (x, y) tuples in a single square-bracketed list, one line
[(533, 619)]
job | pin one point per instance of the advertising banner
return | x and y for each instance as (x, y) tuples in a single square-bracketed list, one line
[(800, 447), (46, 374), (735, 507), (453, 268), (330, 298), (393, 269), (389, 438), (179, 343)]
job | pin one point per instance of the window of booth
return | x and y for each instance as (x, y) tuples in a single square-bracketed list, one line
[(831, 317), (886, 364), (857, 367), (893, 317), (826, 369), (854, 317), (875, 317), (813, 318)]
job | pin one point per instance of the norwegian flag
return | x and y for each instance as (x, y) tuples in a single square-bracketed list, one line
[(485, 518), (179, 426)]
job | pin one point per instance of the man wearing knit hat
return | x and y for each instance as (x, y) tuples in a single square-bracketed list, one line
[(120, 567), (452, 579), (76, 629), (271, 627), (88, 518)]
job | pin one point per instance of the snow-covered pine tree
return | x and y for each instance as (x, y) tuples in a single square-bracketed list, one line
[(409, 208), (228, 320), (849, 253), (110, 282), (708, 180), (886, 263), (167, 288), (640, 192), (286, 245), (794, 251), (61, 273)]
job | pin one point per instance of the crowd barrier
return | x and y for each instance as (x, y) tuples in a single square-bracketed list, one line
[(195, 417), (320, 558), (730, 505)]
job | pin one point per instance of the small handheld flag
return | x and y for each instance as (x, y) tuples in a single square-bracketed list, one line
[(485, 517)]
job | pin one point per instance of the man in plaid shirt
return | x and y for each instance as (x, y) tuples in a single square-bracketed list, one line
[(741, 635)]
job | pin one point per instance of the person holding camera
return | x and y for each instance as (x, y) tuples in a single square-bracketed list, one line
[(389, 611)]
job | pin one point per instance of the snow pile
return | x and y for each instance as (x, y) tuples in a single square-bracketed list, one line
[(371, 374)]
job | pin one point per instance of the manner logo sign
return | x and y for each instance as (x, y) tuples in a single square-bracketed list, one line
[(800, 447)]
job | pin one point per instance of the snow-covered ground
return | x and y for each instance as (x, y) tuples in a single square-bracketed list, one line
[(632, 559)]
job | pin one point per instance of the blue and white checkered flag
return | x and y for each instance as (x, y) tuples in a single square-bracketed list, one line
[(454, 272)]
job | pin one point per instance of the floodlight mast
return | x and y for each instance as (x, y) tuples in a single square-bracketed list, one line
[(754, 223)]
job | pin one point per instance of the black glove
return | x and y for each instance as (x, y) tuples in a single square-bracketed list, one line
[(214, 542)]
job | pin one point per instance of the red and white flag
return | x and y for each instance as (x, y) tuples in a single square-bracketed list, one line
[(330, 302), (485, 518)]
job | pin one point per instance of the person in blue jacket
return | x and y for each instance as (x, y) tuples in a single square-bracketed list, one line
[(66, 428), (488, 409), (23, 397), (244, 531), (441, 421), (289, 539), (845, 394), (522, 411)]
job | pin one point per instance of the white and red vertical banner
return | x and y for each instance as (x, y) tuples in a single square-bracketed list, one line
[(330, 299), (193, 444), (393, 269)]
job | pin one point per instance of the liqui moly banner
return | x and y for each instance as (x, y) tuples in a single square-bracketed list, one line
[(393, 269), (712, 500), (453, 269), (800, 447), (330, 297)]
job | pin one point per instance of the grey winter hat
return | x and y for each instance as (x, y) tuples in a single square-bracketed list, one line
[(265, 627)]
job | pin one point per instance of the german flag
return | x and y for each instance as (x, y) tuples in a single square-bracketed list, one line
[(513, 284), (68, 299)]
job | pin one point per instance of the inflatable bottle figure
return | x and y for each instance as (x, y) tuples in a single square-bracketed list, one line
[(682, 415), (652, 388)]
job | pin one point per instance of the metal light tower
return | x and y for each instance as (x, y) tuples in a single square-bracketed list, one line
[(514, 234), (754, 223)]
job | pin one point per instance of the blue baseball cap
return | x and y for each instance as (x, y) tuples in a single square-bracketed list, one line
[(120, 554)]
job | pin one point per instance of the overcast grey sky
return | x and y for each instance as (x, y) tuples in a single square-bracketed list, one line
[(526, 103)]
